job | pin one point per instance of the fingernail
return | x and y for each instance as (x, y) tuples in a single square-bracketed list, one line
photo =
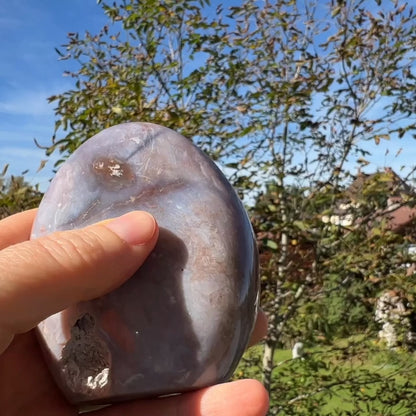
[(135, 228)]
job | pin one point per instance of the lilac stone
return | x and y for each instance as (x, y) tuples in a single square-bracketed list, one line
[(183, 320)]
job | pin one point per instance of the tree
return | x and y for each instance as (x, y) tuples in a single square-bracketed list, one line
[(285, 92), (17, 195)]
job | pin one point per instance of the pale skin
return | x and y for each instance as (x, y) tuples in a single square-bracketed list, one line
[(43, 276)]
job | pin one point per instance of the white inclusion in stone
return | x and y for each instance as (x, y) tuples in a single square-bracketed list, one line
[(137, 140), (98, 381), (116, 170)]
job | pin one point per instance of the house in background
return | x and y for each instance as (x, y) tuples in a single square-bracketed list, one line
[(389, 200)]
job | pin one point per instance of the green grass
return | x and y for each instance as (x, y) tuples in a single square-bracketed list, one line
[(360, 379)]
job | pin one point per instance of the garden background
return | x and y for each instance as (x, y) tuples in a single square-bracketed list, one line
[(292, 99)]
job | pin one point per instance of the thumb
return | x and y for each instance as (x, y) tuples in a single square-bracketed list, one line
[(41, 277)]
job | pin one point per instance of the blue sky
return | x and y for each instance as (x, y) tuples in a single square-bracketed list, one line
[(30, 72)]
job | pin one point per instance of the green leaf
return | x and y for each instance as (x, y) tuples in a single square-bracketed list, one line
[(272, 244), (300, 225), (272, 207), (336, 11)]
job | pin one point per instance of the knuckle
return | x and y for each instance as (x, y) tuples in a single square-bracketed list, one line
[(74, 249)]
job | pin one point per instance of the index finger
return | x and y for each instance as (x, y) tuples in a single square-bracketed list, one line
[(16, 228)]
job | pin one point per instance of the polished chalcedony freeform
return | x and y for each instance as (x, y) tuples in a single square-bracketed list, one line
[(183, 320)]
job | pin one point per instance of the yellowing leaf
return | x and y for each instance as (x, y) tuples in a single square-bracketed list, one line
[(41, 165), (381, 137), (116, 110)]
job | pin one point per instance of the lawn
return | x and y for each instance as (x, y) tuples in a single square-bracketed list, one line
[(352, 376)]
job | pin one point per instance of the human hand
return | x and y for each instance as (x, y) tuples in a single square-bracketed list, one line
[(43, 276)]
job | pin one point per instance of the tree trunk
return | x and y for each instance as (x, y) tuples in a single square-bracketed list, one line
[(276, 321), (268, 363)]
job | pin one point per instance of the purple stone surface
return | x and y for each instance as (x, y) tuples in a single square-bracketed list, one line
[(183, 320)]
